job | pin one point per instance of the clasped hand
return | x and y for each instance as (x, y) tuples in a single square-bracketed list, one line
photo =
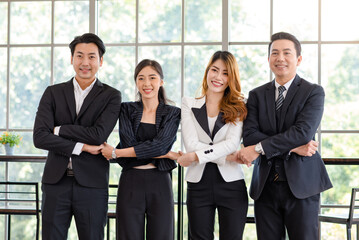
[(104, 148), (244, 156)]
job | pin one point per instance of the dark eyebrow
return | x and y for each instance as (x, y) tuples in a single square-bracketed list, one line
[(79, 52), (141, 75), (285, 49), (218, 68)]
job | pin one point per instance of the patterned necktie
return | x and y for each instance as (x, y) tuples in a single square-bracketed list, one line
[(280, 98)]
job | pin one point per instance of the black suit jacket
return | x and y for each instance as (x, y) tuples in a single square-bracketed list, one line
[(94, 123), (167, 122), (301, 114)]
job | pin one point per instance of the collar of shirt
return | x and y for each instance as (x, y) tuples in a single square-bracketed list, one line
[(287, 85), (79, 90), (80, 94)]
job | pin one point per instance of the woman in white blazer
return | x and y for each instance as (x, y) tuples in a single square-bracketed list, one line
[(212, 130)]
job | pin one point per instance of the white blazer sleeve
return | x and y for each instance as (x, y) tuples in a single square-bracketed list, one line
[(219, 150), (215, 153)]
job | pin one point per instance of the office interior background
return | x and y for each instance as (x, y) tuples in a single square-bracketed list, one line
[(181, 35)]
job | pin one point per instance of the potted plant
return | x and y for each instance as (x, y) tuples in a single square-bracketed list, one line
[(9, 140)]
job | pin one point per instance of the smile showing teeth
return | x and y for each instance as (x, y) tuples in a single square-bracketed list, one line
[(217, 84), (147, 90)]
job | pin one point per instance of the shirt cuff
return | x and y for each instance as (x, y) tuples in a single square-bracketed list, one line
[(260, 146), (57, 130), (78, 149)]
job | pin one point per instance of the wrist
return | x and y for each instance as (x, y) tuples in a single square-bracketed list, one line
[(195, 157), (258, 148), (84, 148), (113, 154)]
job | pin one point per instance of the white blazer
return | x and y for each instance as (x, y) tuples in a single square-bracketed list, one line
[(196, 135)]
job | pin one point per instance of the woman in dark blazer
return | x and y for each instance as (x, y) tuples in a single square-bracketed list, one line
[(211, 131), (148, 130)]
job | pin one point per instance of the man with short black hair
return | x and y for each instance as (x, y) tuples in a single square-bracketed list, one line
[(289, 174), (73, 120)]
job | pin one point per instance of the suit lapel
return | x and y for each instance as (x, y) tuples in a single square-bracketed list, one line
[(137, 116), (270, 101), (218, 124), (159, 112), (201, 116), (288, 99), (70, 98), (96, 89)]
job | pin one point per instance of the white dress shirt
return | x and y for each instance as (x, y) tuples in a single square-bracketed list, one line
[(80, 96)]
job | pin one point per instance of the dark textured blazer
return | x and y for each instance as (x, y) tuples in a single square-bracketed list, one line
[(301, 114), (167, 122), (94, 123)]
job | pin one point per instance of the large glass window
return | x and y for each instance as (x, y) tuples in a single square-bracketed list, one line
[(181, 35)]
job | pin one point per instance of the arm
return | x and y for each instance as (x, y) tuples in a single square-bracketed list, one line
[(159, 145), (43, 136), (251, 130), (299, 134), (196, 149), (130, 152), (92, 149), (306, 150), (123, 152), (303, 129), (171, 155), (166, 136), (101, 129)]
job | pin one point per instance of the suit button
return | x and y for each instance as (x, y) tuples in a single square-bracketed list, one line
[(211, 150), (269, 163), (205, 152), (211, 143)]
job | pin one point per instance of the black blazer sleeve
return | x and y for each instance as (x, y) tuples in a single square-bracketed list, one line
[(169, 119), (107, 116), (44, 124), (307, 121), (302, 120), (252, 133), (165, 138)]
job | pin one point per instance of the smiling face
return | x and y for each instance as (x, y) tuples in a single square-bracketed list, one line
[(217, 77), (148, 83), (86, 62), (283, 60)]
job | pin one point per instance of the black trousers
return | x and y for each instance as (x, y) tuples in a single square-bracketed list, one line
[(211, 193), (277, 209), (67, 198), (145, 197)]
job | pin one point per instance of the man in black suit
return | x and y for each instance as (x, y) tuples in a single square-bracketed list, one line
[(72, 118), (289, 173)]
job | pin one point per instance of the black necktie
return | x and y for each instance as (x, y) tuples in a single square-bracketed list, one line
[(280, 98)]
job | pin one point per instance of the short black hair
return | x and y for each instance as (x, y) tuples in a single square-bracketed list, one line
[(287, 36), (88, 38)]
